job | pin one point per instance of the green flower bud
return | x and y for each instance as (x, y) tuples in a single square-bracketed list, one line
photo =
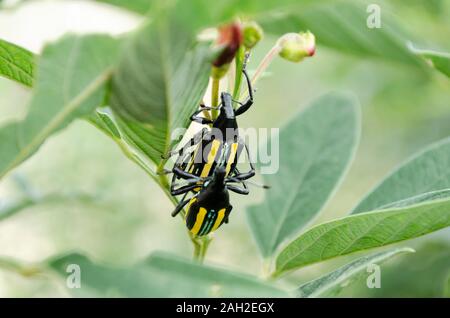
[(253, 33), (295, 47)]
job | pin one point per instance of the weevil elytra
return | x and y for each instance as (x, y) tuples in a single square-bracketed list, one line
[(210, 207)]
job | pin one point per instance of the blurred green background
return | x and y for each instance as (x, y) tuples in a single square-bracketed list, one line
[(126, 216)]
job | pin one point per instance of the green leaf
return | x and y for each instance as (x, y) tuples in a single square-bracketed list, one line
[(343, 26), (141, 138), (315, 149), (363, 231), (439, 60), (160, 81), (103, 120), (419, 275), (126, 132), (9, 210), (9, 147), (211, 15), (163, 275), (333, 281), (137, 6), (18, 267), (70, 84), (425, 172), (12, 209), (446, 292), (429, 196), (16, 63)]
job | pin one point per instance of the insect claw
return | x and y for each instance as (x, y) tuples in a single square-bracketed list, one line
[(163, 172)]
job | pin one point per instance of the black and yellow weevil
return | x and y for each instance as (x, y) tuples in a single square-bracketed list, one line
[(209, 208), (220, 141)]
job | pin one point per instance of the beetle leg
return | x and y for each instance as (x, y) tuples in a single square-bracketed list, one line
[(242, 177), (180, 207), (232, 179), (227, 213), (246, 175), (245, 106), (199, 119), (180, 173), (184, 175), (243, 190), (183, 189), (182, 163), (192, 142), (191, 180), (237, 189)]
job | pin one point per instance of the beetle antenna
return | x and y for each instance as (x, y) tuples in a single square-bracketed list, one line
[(259, 185), (253, 183)]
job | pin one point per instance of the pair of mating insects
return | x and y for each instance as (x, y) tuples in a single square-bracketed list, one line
[(209, 169)]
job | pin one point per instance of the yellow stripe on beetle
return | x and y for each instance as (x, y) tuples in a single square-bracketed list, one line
[(188, 208), (190, 203), (199, 221), (215, 146), (232, 156), (220, 216), (192, 162)]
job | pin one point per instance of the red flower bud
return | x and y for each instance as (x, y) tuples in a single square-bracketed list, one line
[(230, 38)]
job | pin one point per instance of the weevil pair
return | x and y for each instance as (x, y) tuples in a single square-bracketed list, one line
[(208, 165)]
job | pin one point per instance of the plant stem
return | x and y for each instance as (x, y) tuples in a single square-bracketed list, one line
[(24, 270), (239, 62), (197, 249), (206, 240), (200, 244), (266, 267), (200, 248), (206, 114), (266, 61), (215, 96)]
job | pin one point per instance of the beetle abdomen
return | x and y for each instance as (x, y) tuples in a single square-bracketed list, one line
[(202, 221)]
